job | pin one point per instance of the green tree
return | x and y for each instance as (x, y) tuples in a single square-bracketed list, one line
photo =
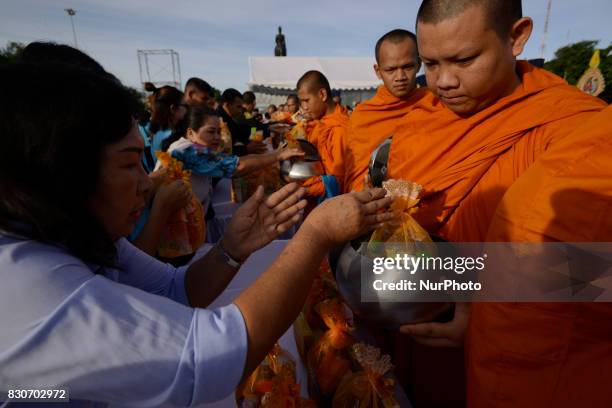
[(11, 52), (571, 61)]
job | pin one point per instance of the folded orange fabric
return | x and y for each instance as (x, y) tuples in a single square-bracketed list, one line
[(372, 121), (466, 164), (554, 354), (328, 135)]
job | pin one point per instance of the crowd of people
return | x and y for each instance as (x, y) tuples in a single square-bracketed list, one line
[(90, 189)]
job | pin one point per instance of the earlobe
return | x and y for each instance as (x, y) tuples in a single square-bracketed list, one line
[(521, 31), (323, 95)]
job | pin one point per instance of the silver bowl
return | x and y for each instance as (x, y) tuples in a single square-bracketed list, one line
[(301, 170), (387, 310)]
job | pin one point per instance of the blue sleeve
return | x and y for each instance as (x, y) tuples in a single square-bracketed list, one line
[(113, 343), (207, 162), (332, 188)]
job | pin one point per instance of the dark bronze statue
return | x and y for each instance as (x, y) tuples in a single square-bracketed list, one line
[(281, 49)]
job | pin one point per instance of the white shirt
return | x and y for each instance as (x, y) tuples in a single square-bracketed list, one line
[(124, 337)]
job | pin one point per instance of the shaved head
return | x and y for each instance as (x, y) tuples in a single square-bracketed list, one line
[(315, 95), (395, 37), (501, 14), (313, 81)]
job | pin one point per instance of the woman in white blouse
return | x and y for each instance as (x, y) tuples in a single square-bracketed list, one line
[(82, 308)]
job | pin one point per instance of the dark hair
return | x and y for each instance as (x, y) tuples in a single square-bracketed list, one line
[(194, 119), (501, 14), (230, 95), (52, 154), (200, 85), (294, 97), (198, 115), (315, 80), (248, 97), (395, 36), (44, 52), (161, 101)]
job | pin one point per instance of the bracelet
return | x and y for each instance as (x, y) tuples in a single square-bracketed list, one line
[(226, 257)]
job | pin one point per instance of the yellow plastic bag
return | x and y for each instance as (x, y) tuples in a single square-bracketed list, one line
[(272, 383), (328, 360), (404, 232), (368, 388), (244, 187), (185, 230)]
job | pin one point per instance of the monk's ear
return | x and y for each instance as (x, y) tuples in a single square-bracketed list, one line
[(520, 33), (377, 71), (323, 94)]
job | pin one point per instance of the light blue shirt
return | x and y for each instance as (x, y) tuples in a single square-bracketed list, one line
[(122, 337), (154, 144)]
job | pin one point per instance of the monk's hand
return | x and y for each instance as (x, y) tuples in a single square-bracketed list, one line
[(287, 153), (261, 220), (349, 216), (450, 334)]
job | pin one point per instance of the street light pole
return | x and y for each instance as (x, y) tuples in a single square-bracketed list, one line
[(71, 13)]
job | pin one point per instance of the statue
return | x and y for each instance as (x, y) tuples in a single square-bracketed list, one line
[(281, 49)]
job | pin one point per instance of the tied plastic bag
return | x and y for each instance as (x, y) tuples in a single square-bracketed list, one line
[(368, 388), (185, 230), (244, 187), (406, 235), (272, 384), (328, 360), (309, 323), (297, 132), (285, 393), (226, 139), (323, 287)]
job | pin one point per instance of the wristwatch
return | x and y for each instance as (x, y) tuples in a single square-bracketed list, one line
[(226, 257)]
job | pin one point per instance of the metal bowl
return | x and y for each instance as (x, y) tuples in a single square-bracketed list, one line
[(389, 310), (301, 170)]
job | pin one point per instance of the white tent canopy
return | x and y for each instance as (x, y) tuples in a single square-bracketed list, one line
[(283, 72)]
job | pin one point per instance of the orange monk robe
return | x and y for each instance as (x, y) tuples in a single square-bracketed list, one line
[(550, 354), (466, 164), (372, 122), (328, 135)]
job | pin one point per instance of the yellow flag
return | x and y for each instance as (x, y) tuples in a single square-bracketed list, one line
[(595, 60)]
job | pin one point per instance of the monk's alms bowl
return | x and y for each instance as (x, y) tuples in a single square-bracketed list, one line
[(300, 170), (386, 309)]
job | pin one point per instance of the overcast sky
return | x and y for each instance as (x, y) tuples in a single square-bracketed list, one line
[(215, 38)]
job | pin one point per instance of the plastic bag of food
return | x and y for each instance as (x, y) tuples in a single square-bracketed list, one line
[(328, 360), (404, 234), (185, 230), (245, 186), (369, 387), (323, 287)]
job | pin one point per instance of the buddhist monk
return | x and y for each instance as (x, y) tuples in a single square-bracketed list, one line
[(374, 120), (552, 354), (327, 133), (490, 118)]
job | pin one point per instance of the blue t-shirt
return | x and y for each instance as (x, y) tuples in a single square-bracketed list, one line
[(153, 142)]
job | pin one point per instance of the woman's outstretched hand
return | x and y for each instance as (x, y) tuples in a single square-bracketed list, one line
[(260, 220)]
